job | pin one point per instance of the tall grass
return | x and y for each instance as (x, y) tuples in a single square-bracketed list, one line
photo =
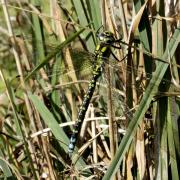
[(131, 130)]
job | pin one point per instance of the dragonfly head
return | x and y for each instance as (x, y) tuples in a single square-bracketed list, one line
[(105, 37)]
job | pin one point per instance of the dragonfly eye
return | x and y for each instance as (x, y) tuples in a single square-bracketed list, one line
[(106, 37), (101, 37)]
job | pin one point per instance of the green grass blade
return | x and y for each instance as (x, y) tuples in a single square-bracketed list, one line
[(50, 121), (171, 142), (4, 166), (38, 34), (94, 10), (161, 147), (162, 160), (145, 34)]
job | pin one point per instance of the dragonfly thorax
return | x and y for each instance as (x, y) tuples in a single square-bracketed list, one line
[(106, 37)]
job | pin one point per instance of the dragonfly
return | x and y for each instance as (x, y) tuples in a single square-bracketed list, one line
[(59, 71), (102, 53), (101, 56)]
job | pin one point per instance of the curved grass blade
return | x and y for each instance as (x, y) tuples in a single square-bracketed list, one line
[(145, 32), (4, 166)]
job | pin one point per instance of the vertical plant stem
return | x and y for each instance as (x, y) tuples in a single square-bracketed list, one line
[(110, 114), (123, 19), (93, 127)]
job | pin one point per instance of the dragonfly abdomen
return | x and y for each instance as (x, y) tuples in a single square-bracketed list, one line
[(83, 109)]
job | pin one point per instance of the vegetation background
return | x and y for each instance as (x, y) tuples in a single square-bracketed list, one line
[(131, 130)]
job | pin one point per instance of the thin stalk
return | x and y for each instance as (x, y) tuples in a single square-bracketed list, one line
[(110, 115), (93, 128), (123, 20)]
